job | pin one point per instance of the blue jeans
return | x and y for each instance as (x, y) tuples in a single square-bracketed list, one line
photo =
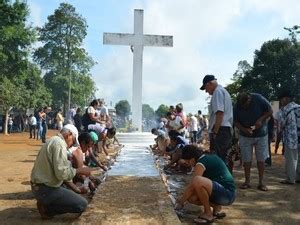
[(39, 130), (220, 195), (59, 200), (44, 131)]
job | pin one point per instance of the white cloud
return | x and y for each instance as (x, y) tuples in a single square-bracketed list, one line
[(35, 13), (172, 75)]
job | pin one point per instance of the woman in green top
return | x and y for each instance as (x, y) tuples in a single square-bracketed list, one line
[(212, 184)]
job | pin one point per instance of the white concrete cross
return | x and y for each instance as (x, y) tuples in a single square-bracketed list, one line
[(137, 40)]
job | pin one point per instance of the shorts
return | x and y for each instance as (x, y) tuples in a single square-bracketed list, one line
[(259, 143), (220, 195)]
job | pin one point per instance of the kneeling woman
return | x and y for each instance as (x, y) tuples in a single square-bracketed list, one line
[(212, 184)]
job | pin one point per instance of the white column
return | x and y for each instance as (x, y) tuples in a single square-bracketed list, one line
[(137, 71)]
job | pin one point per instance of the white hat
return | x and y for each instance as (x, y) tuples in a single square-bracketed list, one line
[(74, 131)]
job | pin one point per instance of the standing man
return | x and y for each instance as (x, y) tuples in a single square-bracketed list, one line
[(59, 120), (103, 112), (70, 115), (50, 170), (220, 117), (290, 126), (44, 124), (32, 125), (250, 117)]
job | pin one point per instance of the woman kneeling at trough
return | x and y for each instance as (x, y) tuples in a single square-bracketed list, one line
[(212, 184)]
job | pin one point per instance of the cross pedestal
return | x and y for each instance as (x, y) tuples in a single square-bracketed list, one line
[(137, 41)]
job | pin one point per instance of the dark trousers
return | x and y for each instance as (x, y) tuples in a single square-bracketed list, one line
[(44, 132), (59, 200), (32, 128), (194, 136), (221, 143)]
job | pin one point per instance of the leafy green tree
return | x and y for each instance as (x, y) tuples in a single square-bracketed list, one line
[(162, 111), (123, 110), (62, 56), (244, 68), (275, 66), (20, 83), (147, 112)]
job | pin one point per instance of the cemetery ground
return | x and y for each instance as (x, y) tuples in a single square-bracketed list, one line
[(280, 205)]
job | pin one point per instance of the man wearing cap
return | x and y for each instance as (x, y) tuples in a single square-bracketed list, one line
[(220, 117), (50, 170), (290, 126)]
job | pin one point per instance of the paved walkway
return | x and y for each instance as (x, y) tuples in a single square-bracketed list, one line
[(132, 194)]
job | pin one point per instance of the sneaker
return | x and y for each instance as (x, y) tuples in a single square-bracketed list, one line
[(42, 210)]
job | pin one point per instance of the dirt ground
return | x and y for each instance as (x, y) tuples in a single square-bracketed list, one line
[(280, 205)]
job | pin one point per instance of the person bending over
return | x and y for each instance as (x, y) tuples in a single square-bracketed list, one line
[(212, 184), (50, 170)]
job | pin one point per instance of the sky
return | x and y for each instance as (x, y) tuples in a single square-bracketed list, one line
[(209, 37)]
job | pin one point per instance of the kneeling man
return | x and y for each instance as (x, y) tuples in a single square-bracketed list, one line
[(50, 170)]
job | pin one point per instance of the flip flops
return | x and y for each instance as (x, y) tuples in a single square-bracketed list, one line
[(219, 215), (202, 220), (245, 186), (262, 187)]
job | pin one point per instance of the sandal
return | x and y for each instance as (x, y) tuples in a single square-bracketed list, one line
[(262, 187), (245, 186), (202, 220), (219, 215)]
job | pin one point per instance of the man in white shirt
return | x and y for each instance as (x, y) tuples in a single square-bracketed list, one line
[(193, 129), (104, 115), (220, 117), (32, 126)]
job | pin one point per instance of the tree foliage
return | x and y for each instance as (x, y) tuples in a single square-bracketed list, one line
[(244, 68), (162, 111), (147, 112), (276, 66), (123, 108), (63, 58), (21, 85)]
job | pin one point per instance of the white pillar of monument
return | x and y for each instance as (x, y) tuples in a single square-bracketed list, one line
[(137, 41)]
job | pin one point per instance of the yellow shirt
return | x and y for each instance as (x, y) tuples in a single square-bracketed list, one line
[(52, 166)]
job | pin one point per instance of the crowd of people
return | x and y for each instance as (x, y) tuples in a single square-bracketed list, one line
[(62, 170), (235, 132)]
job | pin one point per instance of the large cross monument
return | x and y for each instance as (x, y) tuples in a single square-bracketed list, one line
[(137, 41)]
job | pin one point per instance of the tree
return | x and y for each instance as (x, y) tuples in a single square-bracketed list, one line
[(17, 74), (275, 66), (123, 110), (293, 33), (66, 63), (244, 68), (147, 112), (162, 111)]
